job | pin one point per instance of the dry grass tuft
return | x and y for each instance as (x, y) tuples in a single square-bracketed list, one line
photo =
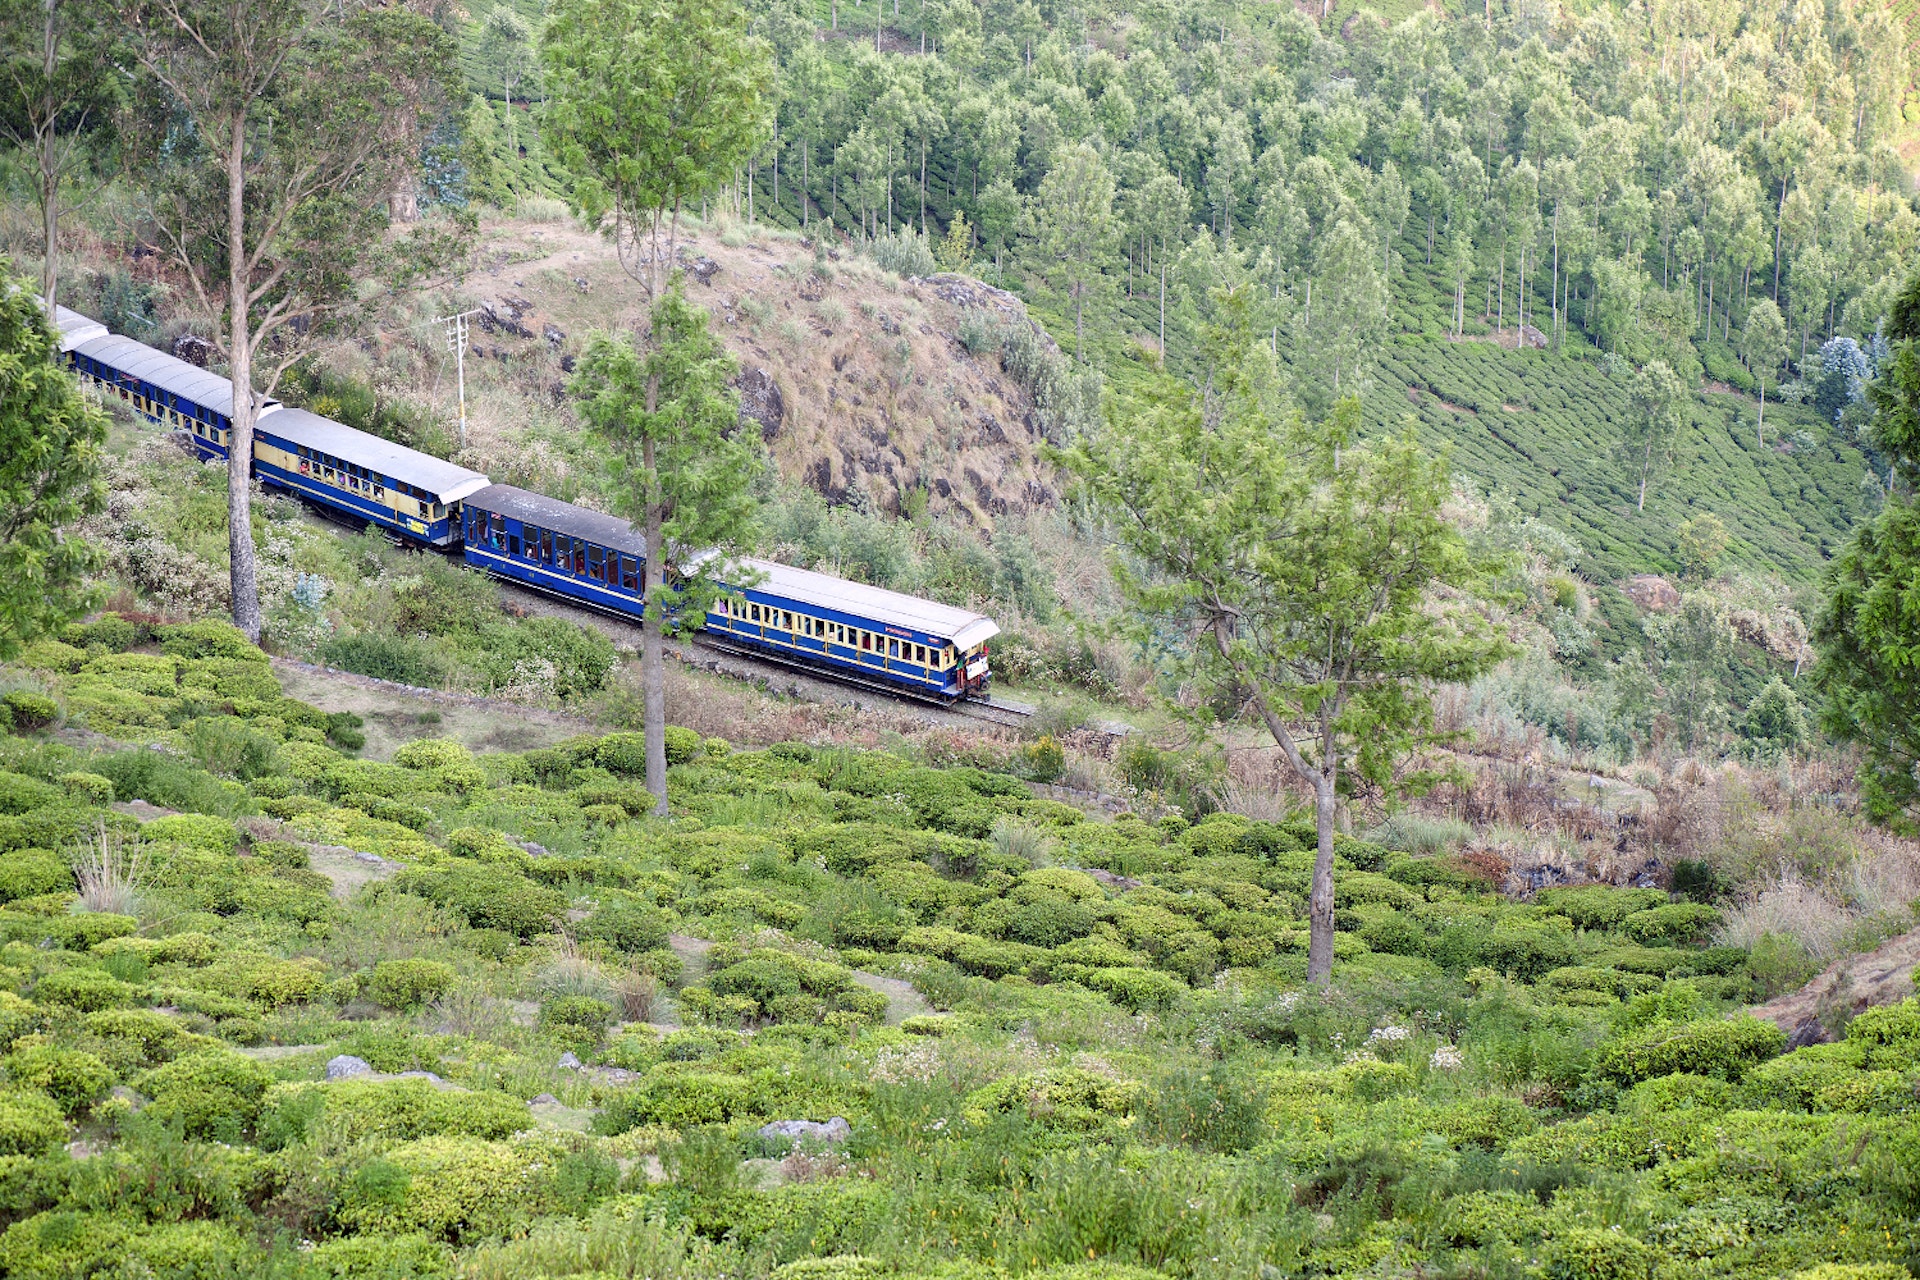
[(111, 869)]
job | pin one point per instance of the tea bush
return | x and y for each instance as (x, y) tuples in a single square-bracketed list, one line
[(1106, 1042)]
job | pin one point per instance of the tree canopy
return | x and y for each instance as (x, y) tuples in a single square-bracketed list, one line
[(50, 473)]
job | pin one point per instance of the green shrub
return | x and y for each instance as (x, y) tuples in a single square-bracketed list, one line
[(152, 1037), (378, 1258), (400, 659), (87, 788), (489, 897), (1676, 923), (677, 1099), (628, 925), (29, 711), (28, 873), (575, 1015), (30, 1123), (1060, 1098), (452, 1188), (1855, 1271), (1724, 1050), (432, 753), (209, 639), (386, 1111), (210, 1093), (1889, 1035), (1598, 906), (87, 990), (20, 794), (1583, 1253), (194, 830), (1481, 1217), (74, 1079), (405, 984)]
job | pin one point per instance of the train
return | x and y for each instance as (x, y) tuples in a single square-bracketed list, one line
[(847, 631)]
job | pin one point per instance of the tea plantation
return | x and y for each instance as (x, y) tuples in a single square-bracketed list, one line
[(1063, 1046)]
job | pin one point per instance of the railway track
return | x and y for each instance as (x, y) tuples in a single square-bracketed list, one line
[(999, 711)]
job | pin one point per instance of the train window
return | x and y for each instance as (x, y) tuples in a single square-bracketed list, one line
[(596, 569), (866, 640), (499, 530), (753, 613), (513, 544), (546, 545), (629, 573), (786, 621), (893, 648), (579, 557), (920, 654)]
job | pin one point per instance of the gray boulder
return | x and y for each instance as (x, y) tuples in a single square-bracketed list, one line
[(347, 1066), (569, 1061), (835, 1130)]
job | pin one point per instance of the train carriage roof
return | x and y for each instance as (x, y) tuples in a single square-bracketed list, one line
[(75, 328), (561, 517), (169, 373), (963, 627), (443, 479)]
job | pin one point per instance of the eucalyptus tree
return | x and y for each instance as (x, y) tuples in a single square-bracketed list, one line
[(652, 105), (272, 203), (56, 94), (664, 406)]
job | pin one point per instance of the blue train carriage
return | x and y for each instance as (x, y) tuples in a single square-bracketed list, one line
[(363, 477), (557, 548), (860, 632), (161, 388)]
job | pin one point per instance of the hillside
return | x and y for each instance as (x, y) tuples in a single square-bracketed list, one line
[(858, 381), (270, 1008)]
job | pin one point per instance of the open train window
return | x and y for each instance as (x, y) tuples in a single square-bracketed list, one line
[(866, 641), (629, 573), (499, 537), (893, 648), (579, 557), (596, 565)]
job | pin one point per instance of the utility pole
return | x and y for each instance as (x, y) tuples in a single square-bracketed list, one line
[(457, 343)]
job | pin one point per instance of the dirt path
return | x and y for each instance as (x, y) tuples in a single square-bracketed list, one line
[(396, 714), (903, 1001), (1881, 976)]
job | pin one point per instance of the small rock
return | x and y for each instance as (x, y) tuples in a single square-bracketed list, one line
[(543, 1100), (428, 1076), (569, 1061), (368, 857), (834, 1130), (553, 333), (582, 284), (537, 850), (347, 1066), (703, 269), (1808, 1032)]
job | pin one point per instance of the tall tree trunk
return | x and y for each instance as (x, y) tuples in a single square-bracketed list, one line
[(1760, 425), (653, 671), (1320, 900), (244, 575), (49, 163)]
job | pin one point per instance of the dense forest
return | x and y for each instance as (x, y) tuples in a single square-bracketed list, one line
[(1630, 178)]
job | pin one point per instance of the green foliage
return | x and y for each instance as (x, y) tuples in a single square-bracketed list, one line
[(30, 1123), (74, 1079), (1722, 1049), (50, 463), (27, 873), (407, 984), (212, 1094), (387, 1110), (489, 897)]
